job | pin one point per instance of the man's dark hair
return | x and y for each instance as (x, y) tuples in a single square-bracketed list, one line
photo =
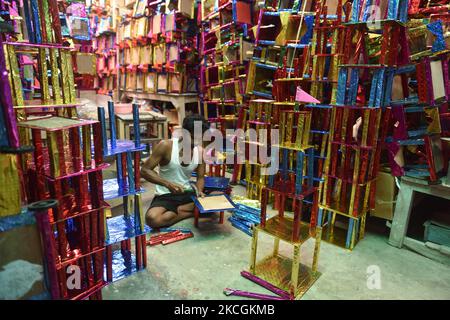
[(189, 123)]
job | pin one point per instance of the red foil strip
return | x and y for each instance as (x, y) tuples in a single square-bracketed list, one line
[(62, 162), (87, 156), (77, 162), (376, 166), (98, 145), (83, 221), (62, 244), (178, 238), (124, 170), (86, 233), (314, 211), (138, 242), (137, 170), (89, 260), (264, 203), (94, 228), (42, 21), (297, 218), (62, 282), (144, 250), (56, 23), (39, 164), (108, 263), (97, 223), (43, 223), (98, 267), (69, 201)]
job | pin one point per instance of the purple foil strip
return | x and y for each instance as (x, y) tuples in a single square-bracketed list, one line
[(6, 101), (253, 295), (37, 45), (266, 284)]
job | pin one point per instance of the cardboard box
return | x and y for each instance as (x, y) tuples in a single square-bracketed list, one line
[(385, 197)]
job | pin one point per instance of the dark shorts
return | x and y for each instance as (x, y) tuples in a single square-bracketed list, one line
[(172, 201)]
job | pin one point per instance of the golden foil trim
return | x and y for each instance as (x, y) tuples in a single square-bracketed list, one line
[(9, 185), (43, 79), (56, 88)]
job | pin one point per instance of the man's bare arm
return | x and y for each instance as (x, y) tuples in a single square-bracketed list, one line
[(201, 169), (148, 168)]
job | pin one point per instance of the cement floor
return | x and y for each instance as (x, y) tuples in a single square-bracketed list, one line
[(202, 266)]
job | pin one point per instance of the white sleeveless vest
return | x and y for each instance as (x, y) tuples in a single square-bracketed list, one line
[(175, 172)]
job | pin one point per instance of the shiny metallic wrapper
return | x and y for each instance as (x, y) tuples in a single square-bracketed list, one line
[(9, 185), (87, 155), (56, 88), (45, 90), (14, 74), (6, 101)]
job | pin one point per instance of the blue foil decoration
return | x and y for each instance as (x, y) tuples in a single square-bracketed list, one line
[(235, 223), (353, 90), (342, 85), (380, 88), (123, 228), (123, 264), (299, 173), (37, 27), (111, 190), (3, 133), (217, 183), (102, 120), (28, 20), (112, 123), (137, 132), (393, 10), (18, 220), (355, 10), (437, 30), (119, 178), (122, 146), (367, 10), (131, 186), (389, 83), (309, 22), (373, 88)]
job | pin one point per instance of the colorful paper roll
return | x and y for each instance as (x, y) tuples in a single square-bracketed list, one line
[(137, 132), (6, 103), (56, 88), (112, 124)]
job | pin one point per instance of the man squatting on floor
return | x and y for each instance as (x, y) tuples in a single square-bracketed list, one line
[(172, 202)]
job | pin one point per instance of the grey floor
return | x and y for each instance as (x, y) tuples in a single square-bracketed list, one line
[(201, 267)]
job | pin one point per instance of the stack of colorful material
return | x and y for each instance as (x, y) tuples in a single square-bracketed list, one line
[(73, 229), (72, 224), (245, 218), (359, 117), (422, 91), (169, 235), (283, 34), (103, 25), (121, 229), (157, 48), (39, 39), (225, 45)]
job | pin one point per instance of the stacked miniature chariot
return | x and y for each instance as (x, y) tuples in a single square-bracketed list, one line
[(63, 175), (362, 103), (72, 224), (283, 34), (158, 48), (226, 40), (280, 59)]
